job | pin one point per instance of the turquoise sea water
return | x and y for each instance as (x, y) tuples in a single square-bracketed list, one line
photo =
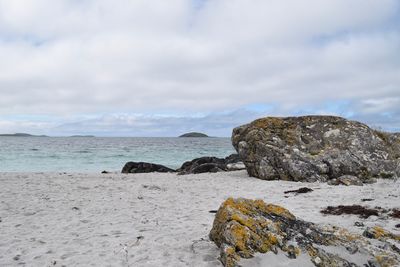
[(95, 154)]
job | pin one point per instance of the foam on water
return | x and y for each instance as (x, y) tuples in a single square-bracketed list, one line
[(93, 154)]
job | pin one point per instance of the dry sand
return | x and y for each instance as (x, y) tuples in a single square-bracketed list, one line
[(54, 219)]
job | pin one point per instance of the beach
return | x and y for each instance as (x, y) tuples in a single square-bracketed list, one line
[(153, 219)]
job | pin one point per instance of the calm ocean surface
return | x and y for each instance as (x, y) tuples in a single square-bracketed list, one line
[(95, 154)]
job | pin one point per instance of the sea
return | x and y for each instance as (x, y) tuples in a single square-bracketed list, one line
[(96, 154)]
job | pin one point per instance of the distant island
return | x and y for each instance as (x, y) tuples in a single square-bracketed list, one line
[(23, 135), (193, 134)]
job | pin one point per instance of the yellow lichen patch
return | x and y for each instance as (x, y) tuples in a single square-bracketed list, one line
[(230, 257), (380, 233), (346, 235), (239, 234), (291, 250), (278, 210), (251, 207), (385, 137), (268, 242), (246, 221), (296, 251), (274, 122), (385, 260), (279, 126), (312, 252)]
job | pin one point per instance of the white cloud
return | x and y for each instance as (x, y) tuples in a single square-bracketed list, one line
[(68, 58)]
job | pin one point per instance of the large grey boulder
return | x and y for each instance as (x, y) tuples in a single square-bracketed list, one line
[(311, 148)]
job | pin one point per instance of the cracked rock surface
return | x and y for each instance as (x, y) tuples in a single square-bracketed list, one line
[(316, 148), (243, 228)]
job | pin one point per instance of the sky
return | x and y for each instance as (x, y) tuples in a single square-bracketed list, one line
[(163, 68)]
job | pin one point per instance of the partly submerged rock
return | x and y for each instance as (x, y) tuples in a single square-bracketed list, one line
[(244, 227), (311, 148), (144, 167)]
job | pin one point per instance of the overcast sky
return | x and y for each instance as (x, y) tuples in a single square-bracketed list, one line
[(160, 68)]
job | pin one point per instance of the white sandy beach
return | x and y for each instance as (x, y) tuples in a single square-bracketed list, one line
[(62, 219)]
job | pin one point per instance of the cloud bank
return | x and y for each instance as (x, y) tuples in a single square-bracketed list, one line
[(140, 61)]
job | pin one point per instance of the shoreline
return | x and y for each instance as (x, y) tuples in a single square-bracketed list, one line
[(150, 219)]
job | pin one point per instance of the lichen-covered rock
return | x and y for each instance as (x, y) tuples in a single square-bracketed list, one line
[(311, 148), (244, 227), (380, 233)]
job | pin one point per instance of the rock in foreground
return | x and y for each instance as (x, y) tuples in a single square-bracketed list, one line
[(244, 227), (144, 167), (312, 148)]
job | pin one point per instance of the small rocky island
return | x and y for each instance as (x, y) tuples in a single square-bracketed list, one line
[(22, 135), (194, 134)]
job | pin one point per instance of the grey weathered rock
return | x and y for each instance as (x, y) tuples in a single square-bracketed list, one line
[(144, 167), (244, 227), (311, 148), (235, 166)]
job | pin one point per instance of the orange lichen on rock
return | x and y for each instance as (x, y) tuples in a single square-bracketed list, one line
[(275, 122), (379, 233), (385, 260), (279, 211), (244, 227), (239, 224), (243, 224)]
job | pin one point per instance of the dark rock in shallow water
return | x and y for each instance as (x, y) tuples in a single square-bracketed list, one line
[(316, 148), (244, 227), (144, 167)]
